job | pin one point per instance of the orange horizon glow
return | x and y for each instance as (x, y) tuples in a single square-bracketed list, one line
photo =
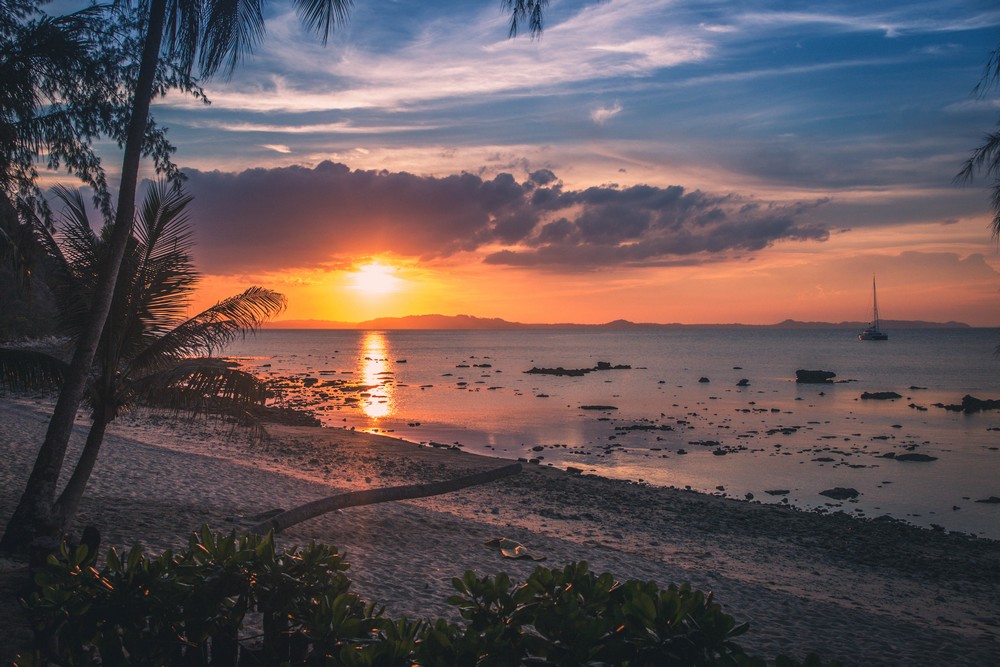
[(923, 274)]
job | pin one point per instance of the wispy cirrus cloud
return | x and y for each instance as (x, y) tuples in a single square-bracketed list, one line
[(345, 127), (449, 60), (904, 19)]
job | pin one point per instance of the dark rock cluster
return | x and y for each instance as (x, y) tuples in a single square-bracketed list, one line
[(814, 377)]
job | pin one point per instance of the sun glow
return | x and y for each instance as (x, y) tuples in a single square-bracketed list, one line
[(376, 278)]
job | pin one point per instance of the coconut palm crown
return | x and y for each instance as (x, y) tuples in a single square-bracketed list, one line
[(146, 352)]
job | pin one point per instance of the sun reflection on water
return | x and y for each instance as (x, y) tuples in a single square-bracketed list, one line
[(376, 370)]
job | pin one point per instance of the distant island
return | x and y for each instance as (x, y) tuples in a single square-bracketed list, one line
[(469, 322)]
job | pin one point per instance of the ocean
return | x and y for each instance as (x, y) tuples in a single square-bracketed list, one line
[(772, 440)]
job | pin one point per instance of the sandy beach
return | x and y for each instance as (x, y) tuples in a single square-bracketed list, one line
[(864, 592)]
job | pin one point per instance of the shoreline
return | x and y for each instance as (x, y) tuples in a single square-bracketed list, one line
[(750, 431), (862, 591), (833, 507)]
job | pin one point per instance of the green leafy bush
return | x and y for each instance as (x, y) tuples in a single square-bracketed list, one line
[(190, 607), (574, 617), (231, 599)]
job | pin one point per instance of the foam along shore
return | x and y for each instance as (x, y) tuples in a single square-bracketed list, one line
[(865, 592)]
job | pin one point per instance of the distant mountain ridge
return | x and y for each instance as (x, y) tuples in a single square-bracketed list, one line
[(470, 322)]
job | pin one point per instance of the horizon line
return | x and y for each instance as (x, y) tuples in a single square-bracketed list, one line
[(477, 322)]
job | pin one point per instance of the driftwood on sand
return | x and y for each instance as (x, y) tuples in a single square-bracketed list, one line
[(286, 519)]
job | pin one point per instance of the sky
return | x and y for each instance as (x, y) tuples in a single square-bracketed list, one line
[(657, 161)]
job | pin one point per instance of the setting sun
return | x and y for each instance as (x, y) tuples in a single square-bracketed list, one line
[(375, 278)]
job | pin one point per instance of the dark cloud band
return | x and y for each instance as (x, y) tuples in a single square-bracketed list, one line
[(274, 219)]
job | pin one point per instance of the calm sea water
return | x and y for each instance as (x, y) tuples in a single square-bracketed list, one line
[(661, 425)]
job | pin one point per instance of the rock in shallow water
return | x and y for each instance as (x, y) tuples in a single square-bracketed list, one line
[(814, 377), (915, 457), (840, 493), (880, 395)]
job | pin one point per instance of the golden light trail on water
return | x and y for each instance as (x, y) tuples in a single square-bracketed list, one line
[(375, 369)]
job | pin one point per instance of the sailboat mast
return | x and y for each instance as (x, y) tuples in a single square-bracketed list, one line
[(875, 302), (872, 331)]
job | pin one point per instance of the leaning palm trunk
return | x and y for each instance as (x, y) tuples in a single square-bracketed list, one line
[(296, 515), (36, 515), (69, 499)]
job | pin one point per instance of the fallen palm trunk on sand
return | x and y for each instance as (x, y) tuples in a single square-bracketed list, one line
[(296, 515)]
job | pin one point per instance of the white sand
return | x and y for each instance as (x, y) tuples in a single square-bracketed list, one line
[(867, 593)]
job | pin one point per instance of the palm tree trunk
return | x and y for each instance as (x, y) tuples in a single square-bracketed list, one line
[(69, 499), (35, 515), (301, 513)]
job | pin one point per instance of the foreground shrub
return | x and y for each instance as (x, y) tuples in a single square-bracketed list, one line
[(574, 617), (231, 599)]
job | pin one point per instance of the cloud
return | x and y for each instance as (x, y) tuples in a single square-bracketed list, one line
[(602, 115), (901, 20), (269, 220), (318, 128), (458, 54), (277, 148), (987, 104)]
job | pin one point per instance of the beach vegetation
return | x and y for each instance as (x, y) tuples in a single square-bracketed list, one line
[(235, 598), (27, 303), (985, 159), (148, 353), (64, 83)]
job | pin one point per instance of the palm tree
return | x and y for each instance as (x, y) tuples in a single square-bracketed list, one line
[(145, 358), (211, 36)]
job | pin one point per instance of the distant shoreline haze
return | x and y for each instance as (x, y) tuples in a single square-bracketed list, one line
[(469, 322)]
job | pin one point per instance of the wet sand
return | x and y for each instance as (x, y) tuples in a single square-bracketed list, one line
[(867, 592)]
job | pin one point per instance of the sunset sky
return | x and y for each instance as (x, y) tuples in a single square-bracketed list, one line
[(657, 161)]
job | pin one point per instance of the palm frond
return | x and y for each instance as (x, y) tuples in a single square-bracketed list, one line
[(198, 383), (182, 31), (78, 254), (232, 30), (163, 225), (165, 273), (78, 242), (205, 386), (322, 16), (214, 327), (247, 310), (525, 11), (30, 369)]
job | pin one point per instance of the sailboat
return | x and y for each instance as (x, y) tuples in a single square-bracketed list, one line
[(872, 331)]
